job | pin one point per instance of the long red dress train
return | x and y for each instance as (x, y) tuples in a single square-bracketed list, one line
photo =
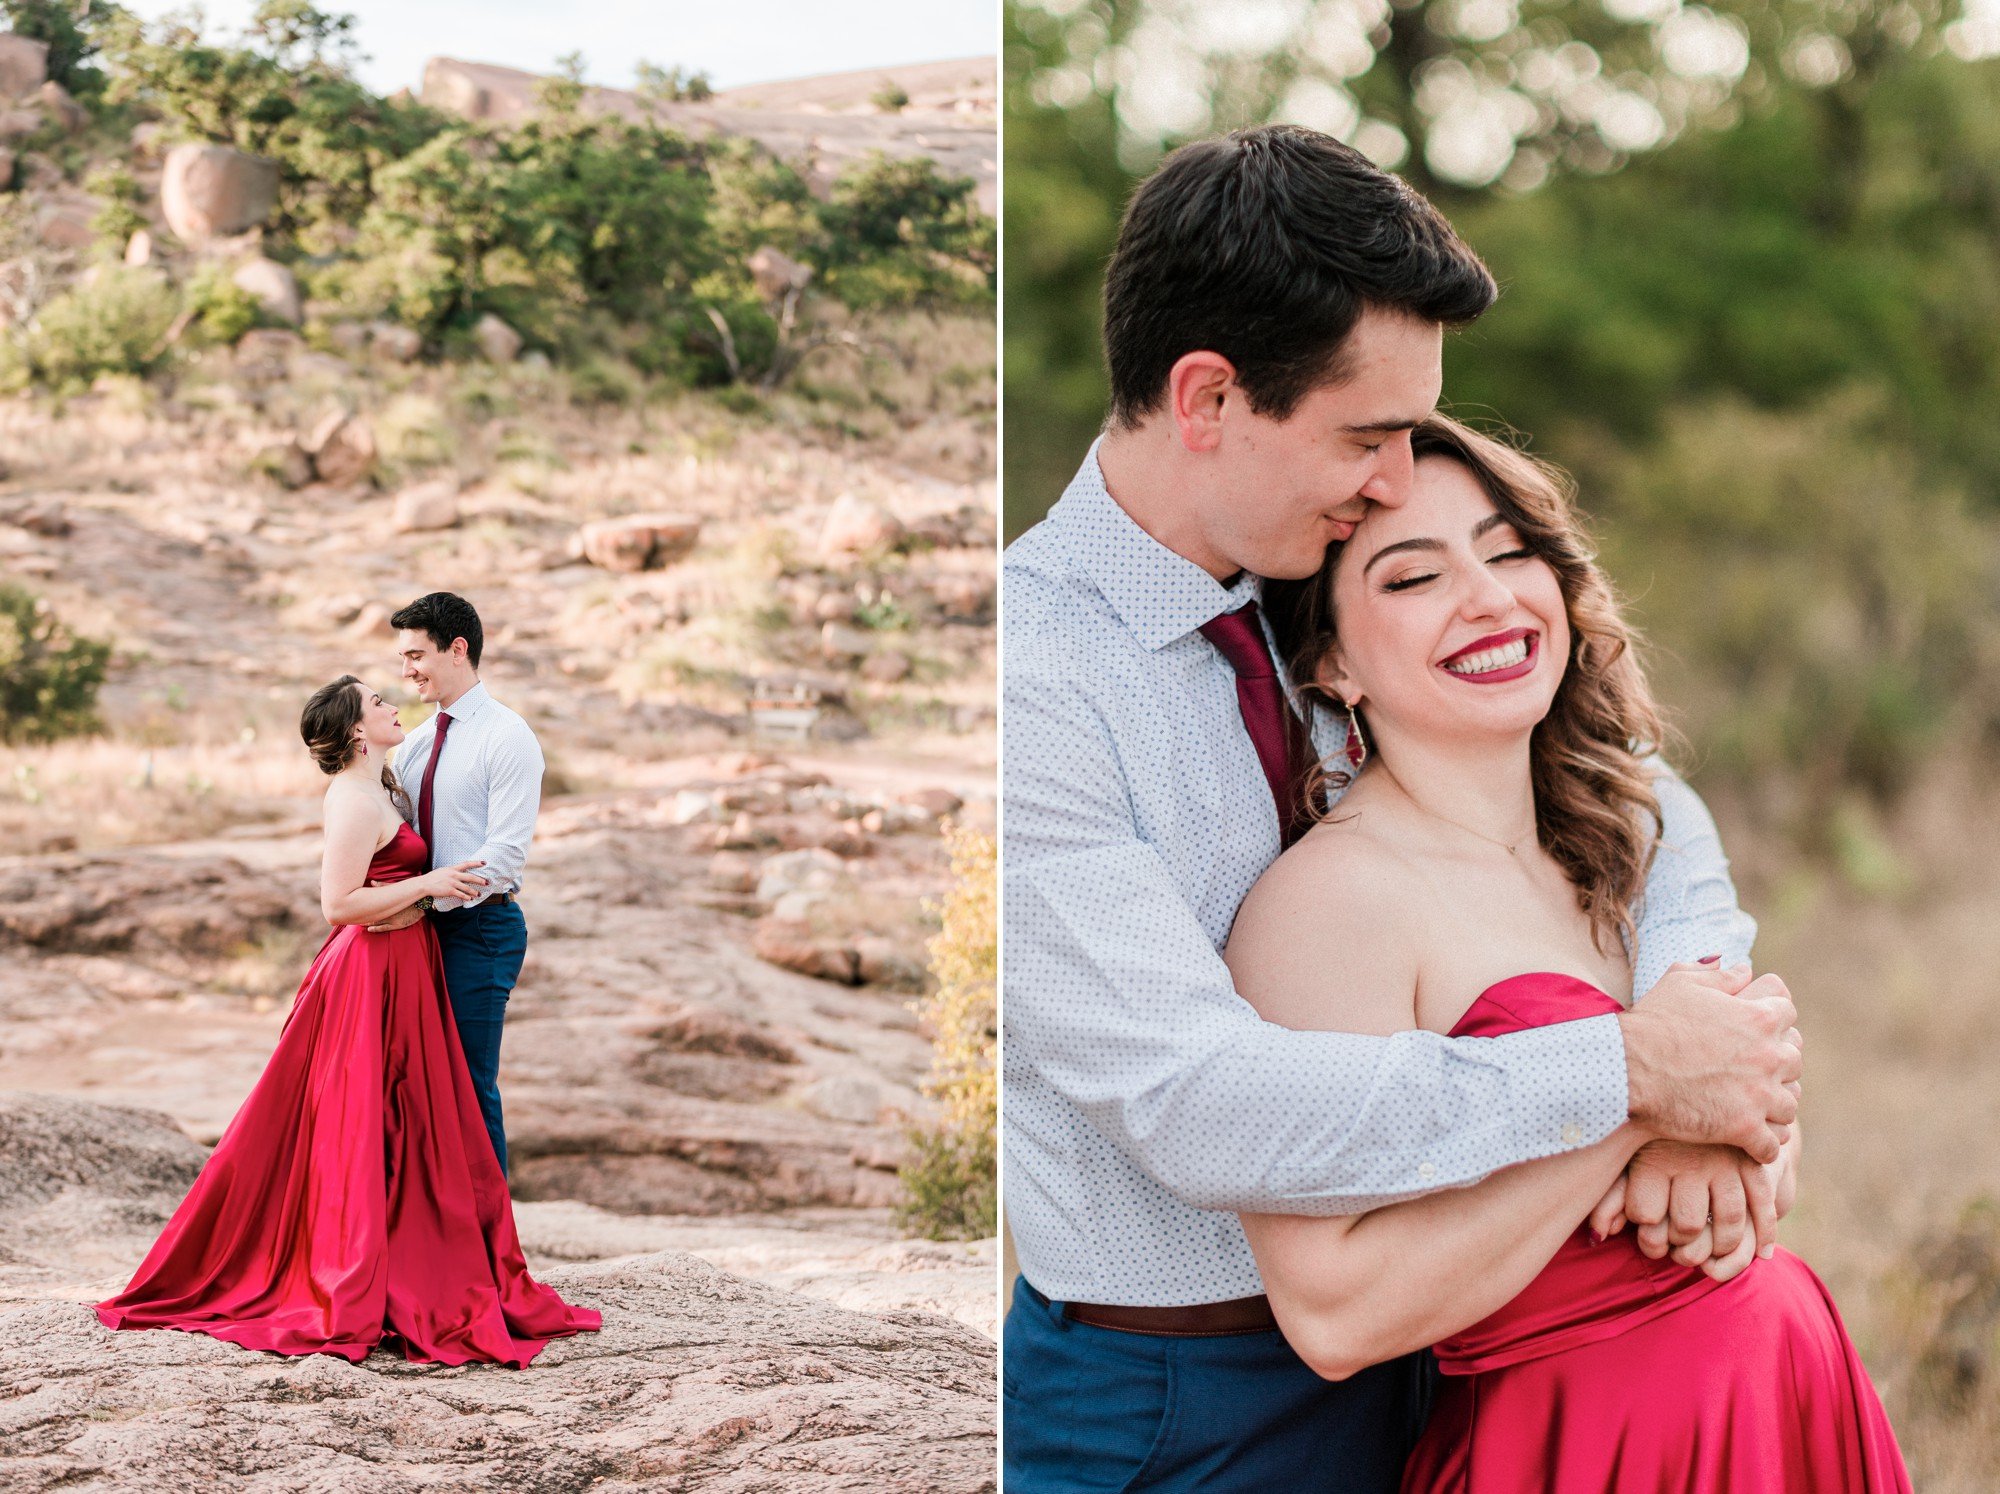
[(1612, 1372), (355, 1199)]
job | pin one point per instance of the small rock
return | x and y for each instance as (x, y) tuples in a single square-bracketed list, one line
[(427, 506), (349, 339), (641, 542), (839, 643), (934, 802), (59, 106), (65, 225), (342, 447), (881, 961), (273, 286), (963, 598), (792, 946), (854, 526), (776, 274), (835, 606), (341, 610), (886, 668), (24, 64), (45, 517), (744, 834), (692, 806), (848, 840), (288, 463), (815, 870), (396, 343), (268, 350), (38, 171), (6, 168), (732, 872), (372, 622), (497, 342), (839, 1097), (797, 907), (139, 248)]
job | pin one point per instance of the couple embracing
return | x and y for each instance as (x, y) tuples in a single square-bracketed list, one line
[(359, 1196), (1389, 1101)]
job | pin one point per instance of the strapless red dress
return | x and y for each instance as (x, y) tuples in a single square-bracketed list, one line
[(355, 1199), (1612, 1372)]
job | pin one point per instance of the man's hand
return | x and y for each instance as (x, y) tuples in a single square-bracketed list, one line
[(1713, 1056), (396, 921)]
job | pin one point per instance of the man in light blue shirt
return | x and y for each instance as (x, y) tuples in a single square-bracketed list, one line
[(1274, 314), (474, 776)]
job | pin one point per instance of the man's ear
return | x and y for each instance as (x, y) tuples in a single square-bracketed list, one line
[(460, 649), (1199, 385)]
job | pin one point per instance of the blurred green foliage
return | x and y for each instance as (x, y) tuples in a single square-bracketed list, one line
[(596, 236), (49, 678), (1769, 349)]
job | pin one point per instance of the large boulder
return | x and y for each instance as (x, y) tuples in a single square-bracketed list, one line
[(58, 105), (24, 65), (66, 225), (211, 191), (273, 286), (639, 542), (145, 906)]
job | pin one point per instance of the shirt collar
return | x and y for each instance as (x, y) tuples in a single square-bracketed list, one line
[(1160, 595), (468, 704)]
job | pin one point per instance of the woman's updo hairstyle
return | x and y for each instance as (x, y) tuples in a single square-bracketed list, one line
[(327, 724)]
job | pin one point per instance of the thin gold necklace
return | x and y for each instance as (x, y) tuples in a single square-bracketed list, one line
[(1510, 847)]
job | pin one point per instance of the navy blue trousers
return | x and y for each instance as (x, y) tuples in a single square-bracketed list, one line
[(1095, 1409), (483, 947)]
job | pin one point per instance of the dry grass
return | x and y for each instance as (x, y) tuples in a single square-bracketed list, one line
[(102, 793)]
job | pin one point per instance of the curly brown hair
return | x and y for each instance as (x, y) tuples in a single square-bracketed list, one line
[(327, 725), (1595, 808)]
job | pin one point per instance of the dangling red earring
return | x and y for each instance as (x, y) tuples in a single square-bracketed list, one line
[(1356, 750)]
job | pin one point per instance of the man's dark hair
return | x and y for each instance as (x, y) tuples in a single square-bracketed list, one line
[(444, 617), (1265, 246)]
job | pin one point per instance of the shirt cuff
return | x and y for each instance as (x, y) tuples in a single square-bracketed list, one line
[(1575, 1091)]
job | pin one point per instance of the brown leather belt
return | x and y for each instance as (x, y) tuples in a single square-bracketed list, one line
[(1203, 1320)]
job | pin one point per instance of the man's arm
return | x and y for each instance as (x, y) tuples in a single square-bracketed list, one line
[(1117, 998), (513, 800)]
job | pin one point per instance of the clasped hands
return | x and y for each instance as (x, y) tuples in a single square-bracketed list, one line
[(1706, 1205)]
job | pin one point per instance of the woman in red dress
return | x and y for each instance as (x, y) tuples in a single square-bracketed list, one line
[(355, 1199), (1477, 877)]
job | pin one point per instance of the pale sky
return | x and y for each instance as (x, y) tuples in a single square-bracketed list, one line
[(753, 41)]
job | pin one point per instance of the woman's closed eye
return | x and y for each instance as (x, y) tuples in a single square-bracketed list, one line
[(1404, 583), (1520, 553)]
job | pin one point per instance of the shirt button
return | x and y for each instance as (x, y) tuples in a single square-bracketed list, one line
[(1425, 1170), (1572, 1134)]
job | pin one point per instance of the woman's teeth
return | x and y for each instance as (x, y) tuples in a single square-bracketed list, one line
[(1488, 660)]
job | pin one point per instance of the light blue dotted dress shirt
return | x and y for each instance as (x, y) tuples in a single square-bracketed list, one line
[(1144, 1101), (488, 788)]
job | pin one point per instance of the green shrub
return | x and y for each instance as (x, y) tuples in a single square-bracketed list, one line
[(218, 310), (49, 678), (115, 323), (1820, 601), (949, 1184)]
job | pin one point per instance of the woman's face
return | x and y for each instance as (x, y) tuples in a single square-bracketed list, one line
[(380, 727), (1448, 626)]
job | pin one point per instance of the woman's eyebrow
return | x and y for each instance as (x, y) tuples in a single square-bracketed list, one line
[(1484, 526)]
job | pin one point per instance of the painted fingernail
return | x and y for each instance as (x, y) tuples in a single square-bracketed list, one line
[(1596, 1238), (1709, 960)]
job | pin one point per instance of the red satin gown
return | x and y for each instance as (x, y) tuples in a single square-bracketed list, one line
[(1612, 1372), (355, 1199)]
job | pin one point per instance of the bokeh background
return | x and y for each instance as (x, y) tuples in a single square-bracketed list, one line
[(1750, 259)]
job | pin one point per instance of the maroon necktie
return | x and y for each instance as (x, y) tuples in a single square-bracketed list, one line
[(1275, 730), (424, 793)]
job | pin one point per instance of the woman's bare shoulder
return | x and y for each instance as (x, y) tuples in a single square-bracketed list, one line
[(1327, 938)]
